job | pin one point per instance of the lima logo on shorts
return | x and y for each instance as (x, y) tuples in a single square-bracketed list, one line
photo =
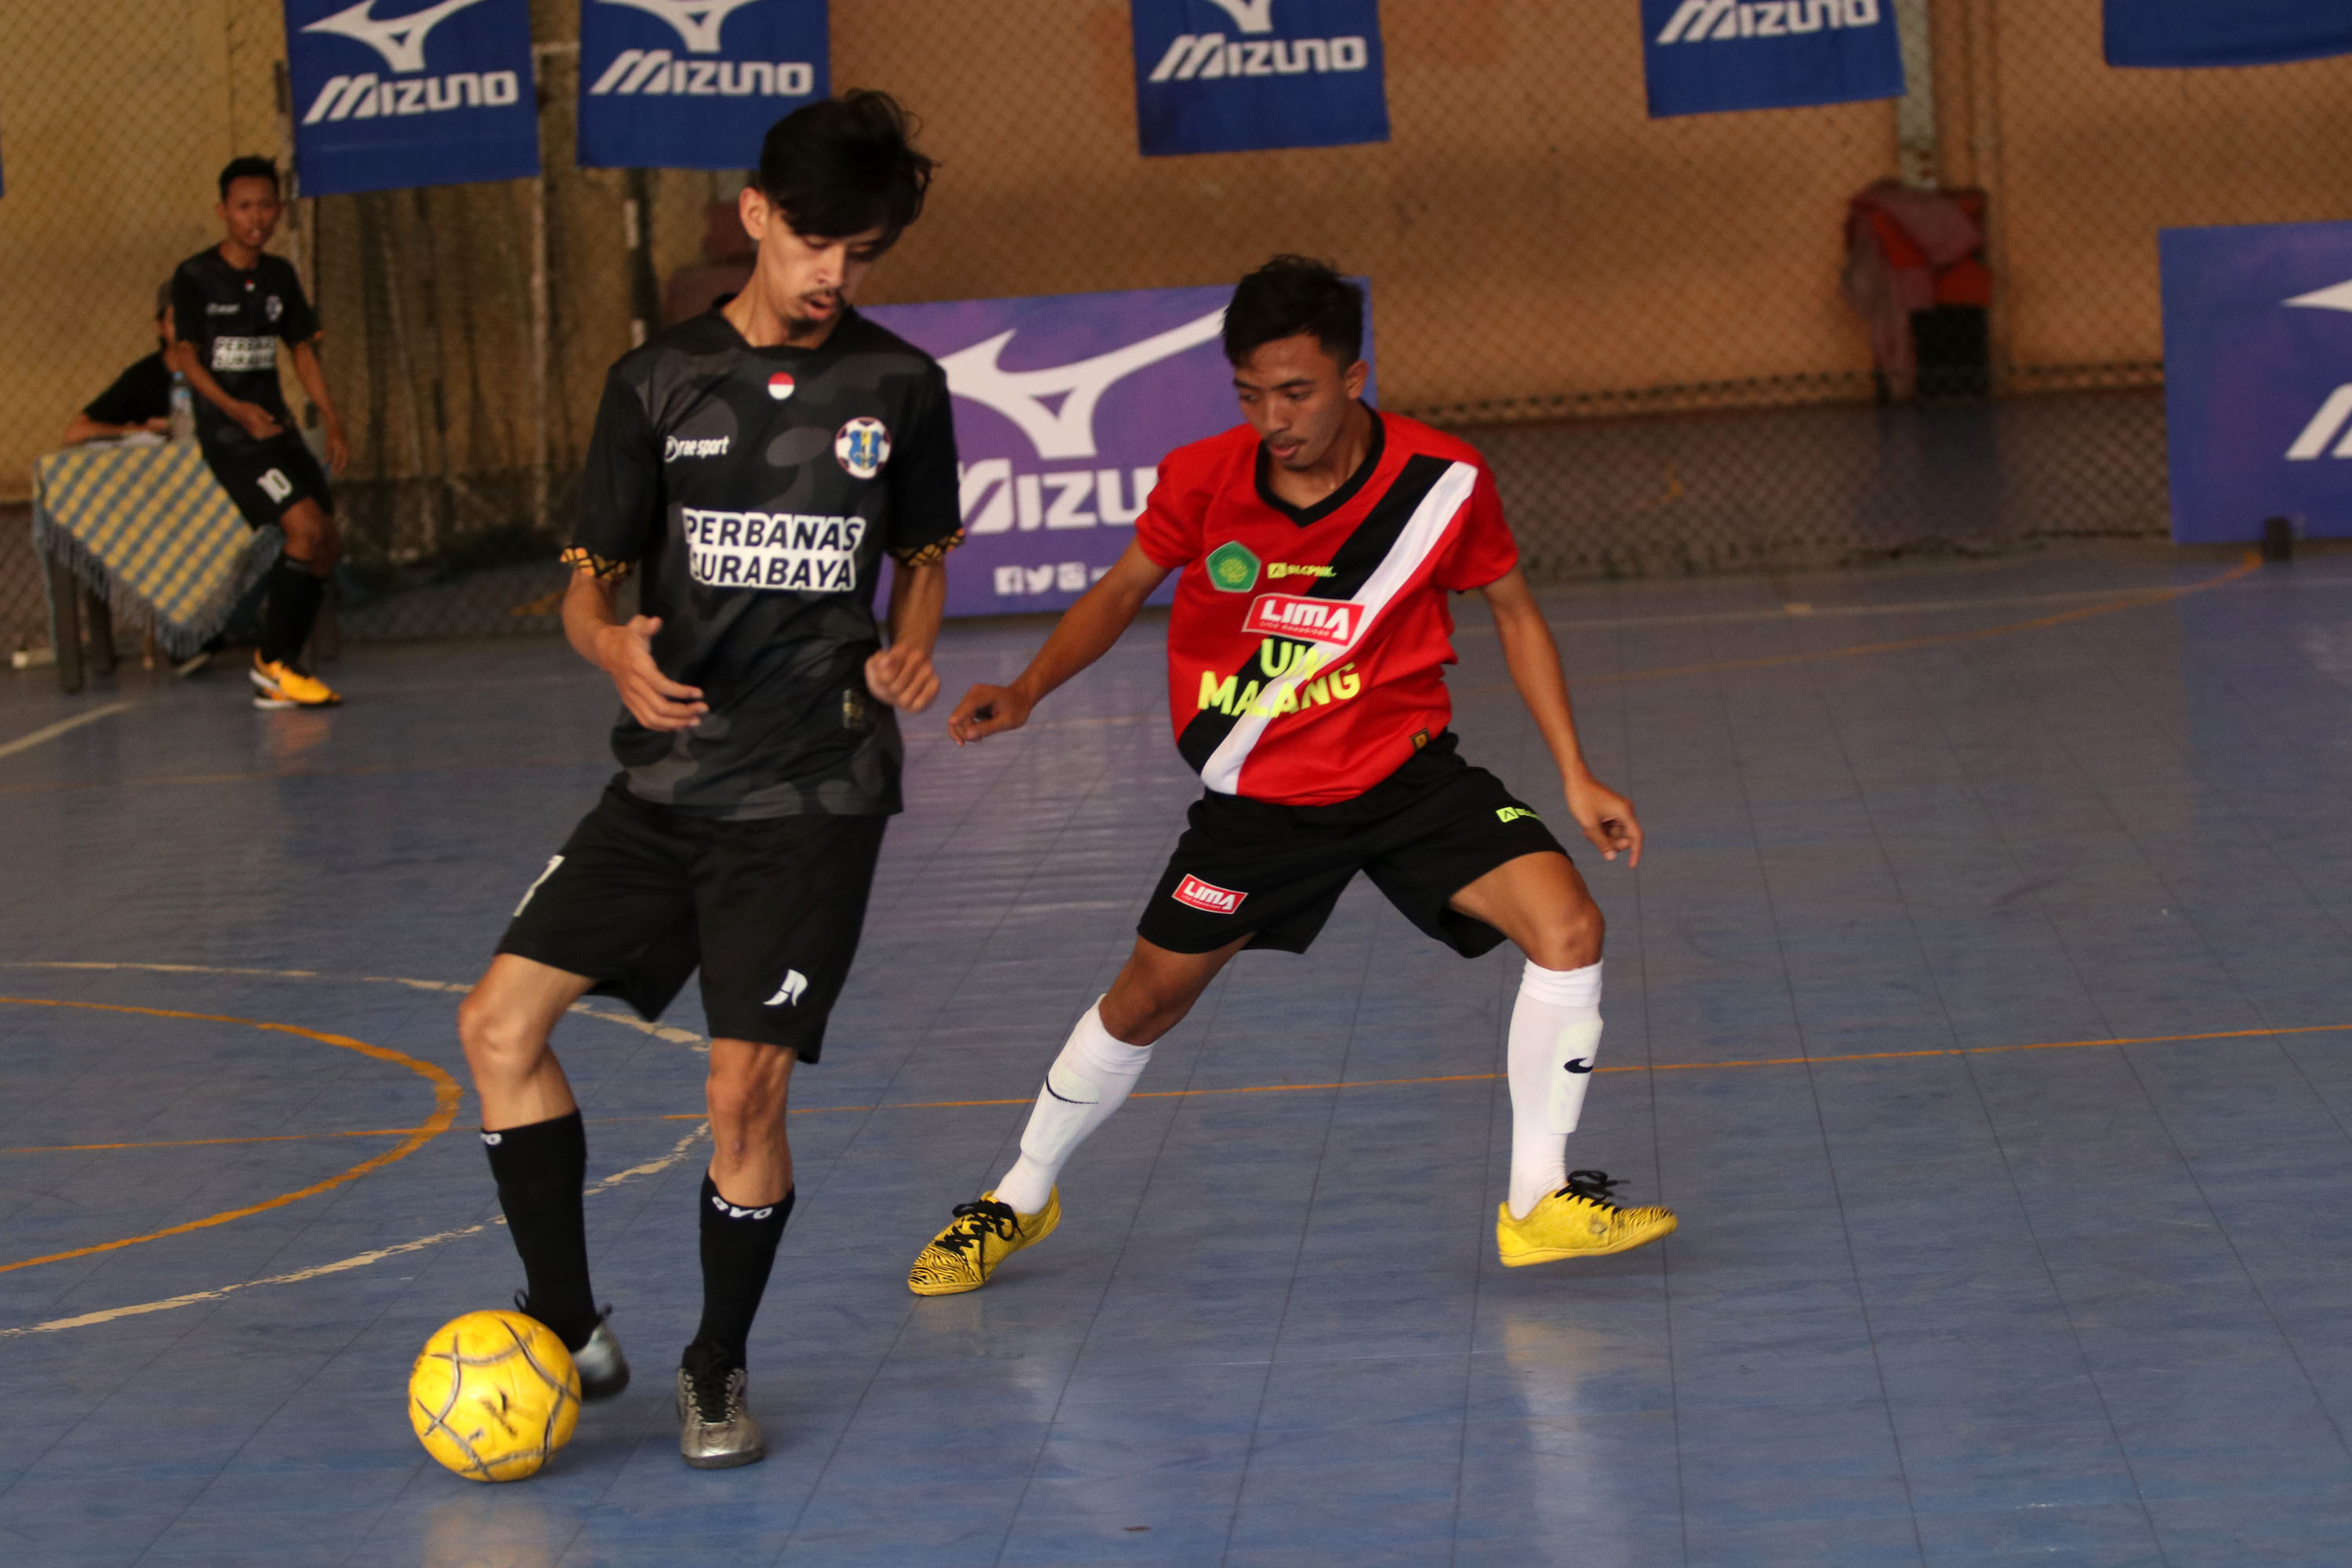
[(789, 994), (862, 447)]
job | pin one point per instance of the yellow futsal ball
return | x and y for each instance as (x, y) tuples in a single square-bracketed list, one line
[(493, 1395)]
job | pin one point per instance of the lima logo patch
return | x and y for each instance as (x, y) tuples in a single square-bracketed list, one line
[(789, 994), (862, 447)]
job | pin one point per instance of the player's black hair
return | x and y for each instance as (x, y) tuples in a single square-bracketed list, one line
[(843, 166), (250, 167), (1295, 294)]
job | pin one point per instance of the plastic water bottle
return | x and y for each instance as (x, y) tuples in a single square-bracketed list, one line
[(183, 409)]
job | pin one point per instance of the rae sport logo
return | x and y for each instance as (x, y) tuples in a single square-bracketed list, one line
[(1333, 621), (1207, 896)]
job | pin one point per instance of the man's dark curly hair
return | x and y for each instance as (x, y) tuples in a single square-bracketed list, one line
[(1295, 294), (250, 167), (842, 166)]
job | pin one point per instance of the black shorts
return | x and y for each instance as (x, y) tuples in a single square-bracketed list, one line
[(266, 478), (1273, 872), (770, 909)]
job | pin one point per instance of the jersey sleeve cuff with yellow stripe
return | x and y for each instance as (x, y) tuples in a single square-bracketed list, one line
[(581, 560), (928, 554)]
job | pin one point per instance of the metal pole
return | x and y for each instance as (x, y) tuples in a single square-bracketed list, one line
[(539, 334), (1915, 112)]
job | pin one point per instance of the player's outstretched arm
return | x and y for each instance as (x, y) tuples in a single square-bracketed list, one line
[(625, 653), (1605, 816), (1083, 635), (901, 674)]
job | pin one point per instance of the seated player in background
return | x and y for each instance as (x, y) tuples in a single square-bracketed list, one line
[(754, 463), (139, 401), (1305, 651), (231, 307)]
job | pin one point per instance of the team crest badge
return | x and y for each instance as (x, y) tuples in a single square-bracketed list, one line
[(862, 447), (780, 386), (1233, 568), (273, 308)]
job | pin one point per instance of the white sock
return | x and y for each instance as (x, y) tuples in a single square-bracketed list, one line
[(1555, 1039), (1087, 1081)]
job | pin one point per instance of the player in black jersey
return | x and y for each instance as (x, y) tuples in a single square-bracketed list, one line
[(231, 307), (753, 465), (137, 402)]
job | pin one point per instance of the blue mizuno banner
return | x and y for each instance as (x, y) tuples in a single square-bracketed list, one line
[(1064, 406), (423, 95), (2238, 33), (2258, 378), (1232, 75), (694, 84), (1706, 55)]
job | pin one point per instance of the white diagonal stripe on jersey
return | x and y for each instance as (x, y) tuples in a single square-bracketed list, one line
[(1419, 537)]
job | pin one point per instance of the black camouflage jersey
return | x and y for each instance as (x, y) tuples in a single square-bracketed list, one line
[(235, 319), (757, 488)]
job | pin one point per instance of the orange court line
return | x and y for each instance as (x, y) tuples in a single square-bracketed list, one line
[(430, 1129), (198, 1142), (1631, 1066), (446, 1096)]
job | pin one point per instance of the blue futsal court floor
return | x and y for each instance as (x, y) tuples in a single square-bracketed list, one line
[(1982, 1006)]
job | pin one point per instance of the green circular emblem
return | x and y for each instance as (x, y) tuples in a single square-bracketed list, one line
[(1233, 568)]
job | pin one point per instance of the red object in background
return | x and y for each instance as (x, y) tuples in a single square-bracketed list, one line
[(726, 266), (1915, 270)]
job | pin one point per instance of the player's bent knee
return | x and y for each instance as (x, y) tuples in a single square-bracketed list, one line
[(1570, 939), (500, 1042), (749, 1090)]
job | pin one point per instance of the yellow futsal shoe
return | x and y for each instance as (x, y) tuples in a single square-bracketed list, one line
[(984, 1235), (283, 686), (1578, 1221)]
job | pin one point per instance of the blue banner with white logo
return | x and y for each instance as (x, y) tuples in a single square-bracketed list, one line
[(1232, 75), (1707, 55), (392, 93), (694, 84), (2258, 378), (2240, 33)]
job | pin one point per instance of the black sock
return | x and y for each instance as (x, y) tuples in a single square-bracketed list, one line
[(541, 1169), (738, 1248), (292, 609)]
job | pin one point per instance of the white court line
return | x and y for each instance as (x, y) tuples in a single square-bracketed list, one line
[(358, 1260), (26, 743)]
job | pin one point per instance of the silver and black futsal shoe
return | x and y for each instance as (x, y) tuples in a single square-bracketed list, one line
[(603, 1370), (715, 1428)]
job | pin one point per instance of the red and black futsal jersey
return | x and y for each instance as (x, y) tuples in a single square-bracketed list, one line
[(1308, 646)]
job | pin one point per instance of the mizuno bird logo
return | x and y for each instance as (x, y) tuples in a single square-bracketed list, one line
[(1249, 15), (1020, 394), (399, 39), (696, 21)]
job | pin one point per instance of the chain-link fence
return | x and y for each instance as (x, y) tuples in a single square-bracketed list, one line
[(1647, 325)]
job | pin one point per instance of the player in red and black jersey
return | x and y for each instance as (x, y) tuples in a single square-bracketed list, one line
[(1306, 653)]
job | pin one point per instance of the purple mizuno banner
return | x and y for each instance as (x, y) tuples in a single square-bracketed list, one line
[(1065, 403), (2258, 378)]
